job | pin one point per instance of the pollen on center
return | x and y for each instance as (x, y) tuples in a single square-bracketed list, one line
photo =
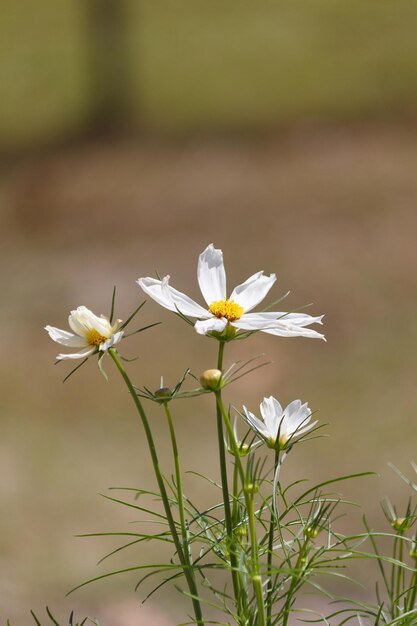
[(94, 338), (226, 308)]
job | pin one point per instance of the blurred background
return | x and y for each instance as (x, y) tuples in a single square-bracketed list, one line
[(132, 134)]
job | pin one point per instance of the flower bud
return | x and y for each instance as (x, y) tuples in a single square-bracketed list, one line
[(400, 524), (242, 530), (211, 379), (164, 393), (311, 532)]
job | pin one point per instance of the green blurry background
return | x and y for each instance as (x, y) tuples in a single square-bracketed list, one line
[(134, 133)]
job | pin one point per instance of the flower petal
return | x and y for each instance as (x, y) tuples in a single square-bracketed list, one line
[(256, 424), (253, 290), (170, 298), (280, 324), (271, 411), (293, 331), (217, 324), (83, 320), (77, 355), (270, 317), (65, 338), (111, 341), (211, 275)]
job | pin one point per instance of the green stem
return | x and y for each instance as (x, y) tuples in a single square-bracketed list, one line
[(225, 489), (294, 582), (235, 509), (413, 588), (248, 491), (393, 573), (180, 493), (270, 548), (188, 573), (400, 571)]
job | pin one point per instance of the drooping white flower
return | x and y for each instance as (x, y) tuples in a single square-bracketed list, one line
[(279, 428), (232, 310), (90, 334)]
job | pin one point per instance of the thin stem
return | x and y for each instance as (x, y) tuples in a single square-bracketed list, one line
[(294, 582), (225, 488), (180, 493), (256, 576), (270, 548), (248, 491), (235, 508), (188, 572), (400, 571), (392, 586), (413, 588)]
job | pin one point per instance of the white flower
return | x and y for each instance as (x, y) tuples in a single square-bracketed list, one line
[(91, 334), (279, 427), (234, 310)]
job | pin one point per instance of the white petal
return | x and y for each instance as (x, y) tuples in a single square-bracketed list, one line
[(271, 411), (276, 320), (65, 338), (170, 298), (217, 324), (292, 331), (211, 275), (83, 320), (253, 290), (301, 431), (112, 341), (77, 355), (256, 424)]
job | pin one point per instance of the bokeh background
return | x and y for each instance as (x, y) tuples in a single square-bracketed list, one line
[(135, 132)]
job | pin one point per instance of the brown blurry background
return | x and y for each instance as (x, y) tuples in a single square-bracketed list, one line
[(134, 133)]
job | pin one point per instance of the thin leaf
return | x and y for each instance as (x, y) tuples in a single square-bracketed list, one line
[(139, 330), (52, 618), (77, 367), (113, 299), (130, 318), (36, 619), (123, 571), (101, 368)]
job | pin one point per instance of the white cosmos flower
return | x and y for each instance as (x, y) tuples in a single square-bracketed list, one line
[(234, 310), (90, 334), (280, 427)]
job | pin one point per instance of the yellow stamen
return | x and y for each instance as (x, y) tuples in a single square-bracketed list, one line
[(94, 338), (226, 308)]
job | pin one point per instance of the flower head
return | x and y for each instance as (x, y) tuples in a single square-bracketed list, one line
[(90, 334), (279, 427), (232, 312)]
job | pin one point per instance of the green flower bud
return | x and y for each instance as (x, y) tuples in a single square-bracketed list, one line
[(311, 532), (211, 379), (400, 524), (242, 530), (163, 393)]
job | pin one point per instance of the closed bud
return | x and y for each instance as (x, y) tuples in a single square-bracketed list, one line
[(211, 379), (311, 532), (163, 393), (400, 524), (242, 530)]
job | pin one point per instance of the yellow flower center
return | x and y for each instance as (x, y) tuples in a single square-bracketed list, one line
[(94, 338), (226, 308)]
